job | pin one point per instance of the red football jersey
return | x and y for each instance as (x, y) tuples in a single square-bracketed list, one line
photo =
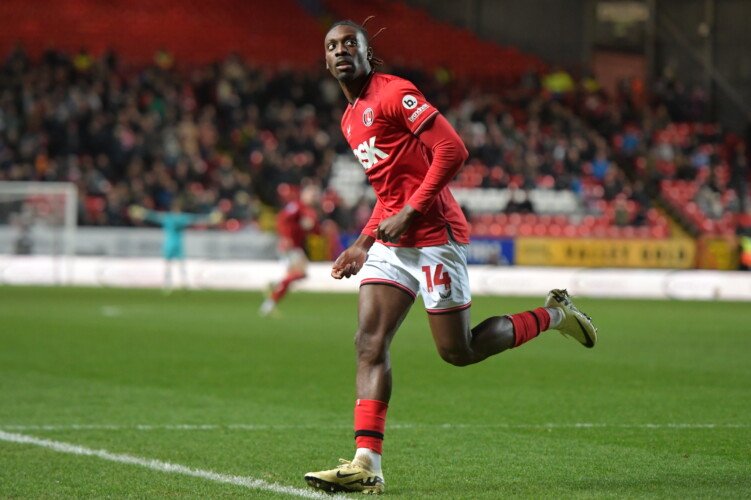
[(294, 223), (382, 126)]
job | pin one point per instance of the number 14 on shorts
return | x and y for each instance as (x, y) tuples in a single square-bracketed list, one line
[(436, 276)]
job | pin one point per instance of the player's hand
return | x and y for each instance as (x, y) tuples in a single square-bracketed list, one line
[(391, 229), (349, 262), (136, 212)]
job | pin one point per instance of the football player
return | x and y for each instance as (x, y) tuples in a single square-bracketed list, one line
[(415, 243), (297, 220)]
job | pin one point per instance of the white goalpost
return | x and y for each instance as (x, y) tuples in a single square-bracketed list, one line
[(39, 219)]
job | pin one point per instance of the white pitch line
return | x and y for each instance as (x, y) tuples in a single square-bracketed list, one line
[(166, 427), (158, 465), (395, 426)]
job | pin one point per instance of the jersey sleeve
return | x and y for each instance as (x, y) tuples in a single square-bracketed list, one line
[(406, 105), (449, 154), (375, 219)]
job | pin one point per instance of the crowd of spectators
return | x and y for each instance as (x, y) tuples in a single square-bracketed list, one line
[(227, 135), (675, 148)]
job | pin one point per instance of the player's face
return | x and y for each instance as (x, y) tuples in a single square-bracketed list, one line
[(346, 53)]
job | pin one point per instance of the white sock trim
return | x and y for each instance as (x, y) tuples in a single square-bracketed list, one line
[(371, 457), (556, 317)]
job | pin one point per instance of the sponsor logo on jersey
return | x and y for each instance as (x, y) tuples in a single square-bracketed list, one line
[(418, 112), (409, 101), (368, 153), (367, 117)]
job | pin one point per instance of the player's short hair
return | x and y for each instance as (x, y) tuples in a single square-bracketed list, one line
[(374, 60), (351, 24)]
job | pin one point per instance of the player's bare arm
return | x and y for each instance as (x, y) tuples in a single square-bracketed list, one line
[(353, 258)]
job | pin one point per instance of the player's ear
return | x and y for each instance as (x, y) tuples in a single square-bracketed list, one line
[(370, 53)]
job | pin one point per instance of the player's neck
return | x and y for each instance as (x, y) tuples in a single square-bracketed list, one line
[(352, 90)]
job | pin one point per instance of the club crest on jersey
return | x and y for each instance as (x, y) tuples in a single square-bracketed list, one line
[(367, 117), (368, 153), (409, 102)]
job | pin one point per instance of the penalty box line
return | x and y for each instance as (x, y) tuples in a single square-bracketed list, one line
[(158, 465)]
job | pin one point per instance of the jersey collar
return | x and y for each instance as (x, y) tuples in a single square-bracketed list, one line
[(364, 87)]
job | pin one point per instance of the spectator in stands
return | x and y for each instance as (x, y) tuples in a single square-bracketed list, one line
[(709, 201), (613, 183), (621, 214), (739, 178), (558, 82), (519, 202)]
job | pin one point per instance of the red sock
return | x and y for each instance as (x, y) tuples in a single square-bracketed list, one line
[(529, 324), (370, 422), (281, 289)]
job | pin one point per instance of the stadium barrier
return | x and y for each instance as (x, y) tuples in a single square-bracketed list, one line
[(717, 252), (248, 243), (594, 252), (484, 280)]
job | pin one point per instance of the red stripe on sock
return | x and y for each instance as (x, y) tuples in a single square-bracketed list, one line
[(543, 316), (529, 324), (370, 416)]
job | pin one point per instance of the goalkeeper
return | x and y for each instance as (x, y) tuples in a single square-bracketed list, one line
[(174, 224)]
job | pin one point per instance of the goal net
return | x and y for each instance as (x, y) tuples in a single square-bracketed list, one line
[(39, 219)]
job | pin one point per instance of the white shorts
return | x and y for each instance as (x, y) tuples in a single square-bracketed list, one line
[(295, 258), (439, 273)]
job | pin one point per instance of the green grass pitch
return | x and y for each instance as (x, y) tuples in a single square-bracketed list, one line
[(660, 408)]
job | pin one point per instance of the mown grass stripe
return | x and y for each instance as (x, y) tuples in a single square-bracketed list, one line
[(158, 465)]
